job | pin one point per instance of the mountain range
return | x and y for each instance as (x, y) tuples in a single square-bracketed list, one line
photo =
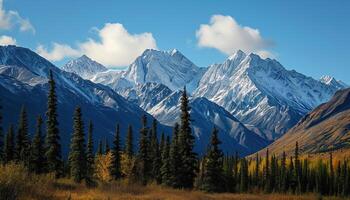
[(252, 101)]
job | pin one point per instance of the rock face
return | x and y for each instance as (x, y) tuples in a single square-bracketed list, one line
[(262, 93), (23, 81), (326, 128)]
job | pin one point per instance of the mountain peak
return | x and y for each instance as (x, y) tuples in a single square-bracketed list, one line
[(329, 80), (84, 67), (238, 55)]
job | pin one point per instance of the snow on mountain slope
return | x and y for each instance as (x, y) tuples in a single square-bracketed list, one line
[(147, 95), (23, 81), (262, 93), (331, 81), (84, 67), (205, 115)]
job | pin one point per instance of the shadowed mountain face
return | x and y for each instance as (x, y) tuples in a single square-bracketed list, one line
[(326, 128), (23, 81)]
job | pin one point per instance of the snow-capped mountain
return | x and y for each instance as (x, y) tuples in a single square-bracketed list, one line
[(328, 80), (23, 81), (169, 68), (84, 67), (205, 115), (262, 93)]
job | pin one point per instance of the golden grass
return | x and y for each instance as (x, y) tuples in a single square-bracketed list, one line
[(121, 191)]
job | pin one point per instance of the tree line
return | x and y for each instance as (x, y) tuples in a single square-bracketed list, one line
[(169, 161)]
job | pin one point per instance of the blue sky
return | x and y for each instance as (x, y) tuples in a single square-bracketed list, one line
[(312, 37)]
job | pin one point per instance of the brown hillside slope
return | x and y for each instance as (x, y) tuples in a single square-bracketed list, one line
[(325, 129)]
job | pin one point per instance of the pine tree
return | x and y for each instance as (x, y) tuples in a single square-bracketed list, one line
[(244, 179), (9, 146), (90, 157), (129, 147), (53, 146), (165, 170), (187, 171), (143, 161), (175, 158), (100, 148), (267, 172), (77, 156), (116, 164), (155, 153), (22, 141), (37, 163), (213, 178), (284, 180), (331, 174)]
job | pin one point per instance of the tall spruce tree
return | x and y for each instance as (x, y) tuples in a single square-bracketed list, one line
[(129, 147), (187, 171), (155, 155), (53, 146), (284, 179), (77, 156), (22, 141), (90, 157), (37, 163), (175, 158), (143, 160), (213, 178), (267, 172), (116, 162), (165, 170), (9, 146), (244, 175)]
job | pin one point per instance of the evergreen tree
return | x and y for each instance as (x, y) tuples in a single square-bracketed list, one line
[(22, 141), (284, 179), (165, 170), (9, 146), (90, 157), (129, 147), (53, 146), (143, 161), (187, 171), (155, 153), (297, 168), (244, 179), (116, 164), (100, 148), (213, 178), (267, 172), (175, 158), (37, 163), (77, 156), (331, 174)]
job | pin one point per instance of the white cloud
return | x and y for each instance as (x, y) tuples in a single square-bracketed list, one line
[(58, 52), (226, 35), (114, 47), (7, 40), (9, 19)]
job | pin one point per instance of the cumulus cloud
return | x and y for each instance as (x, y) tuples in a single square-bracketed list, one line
[(114, 47), (7, 40), (9, 19), (58, 52), (226, 35)]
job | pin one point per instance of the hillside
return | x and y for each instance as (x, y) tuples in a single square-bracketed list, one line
[(325, 129)]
